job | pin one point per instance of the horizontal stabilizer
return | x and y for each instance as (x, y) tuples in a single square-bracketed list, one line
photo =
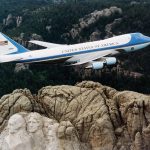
[(45, 44)]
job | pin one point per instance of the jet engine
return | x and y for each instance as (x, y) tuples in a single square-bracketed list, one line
[(96, 65), (110, 60), (101, 63)]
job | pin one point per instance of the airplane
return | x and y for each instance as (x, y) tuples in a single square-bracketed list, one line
[(92, 55)]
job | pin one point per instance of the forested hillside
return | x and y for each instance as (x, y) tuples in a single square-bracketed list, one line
[(71, 21)]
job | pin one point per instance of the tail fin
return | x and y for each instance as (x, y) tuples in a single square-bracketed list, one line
[(9, 46)]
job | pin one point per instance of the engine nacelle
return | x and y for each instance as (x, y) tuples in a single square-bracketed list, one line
[(111, 61), (97, 65)]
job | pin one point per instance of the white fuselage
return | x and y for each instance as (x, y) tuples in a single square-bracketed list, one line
[(127, 42)]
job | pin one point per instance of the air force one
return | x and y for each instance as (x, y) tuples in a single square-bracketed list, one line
[(93, 55)]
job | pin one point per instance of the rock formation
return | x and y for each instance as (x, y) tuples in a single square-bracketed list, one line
[(12, 21), (111, 26), (17, 137), (96, 35), (9, 20), (87, 116), (19, 20), (91, 19), (20, 66)]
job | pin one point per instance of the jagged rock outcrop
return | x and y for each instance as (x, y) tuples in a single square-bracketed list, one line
[(48, 28), (12, 21), (9, 20), (91, 19), (111, 26), (96, 15), (96, 35), (19, 20), (35, 36), (88, 115), (20, 66)]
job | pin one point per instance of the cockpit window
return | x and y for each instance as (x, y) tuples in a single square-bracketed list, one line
[(139, 36)]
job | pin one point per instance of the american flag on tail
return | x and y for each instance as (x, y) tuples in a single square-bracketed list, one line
[(3, 43)]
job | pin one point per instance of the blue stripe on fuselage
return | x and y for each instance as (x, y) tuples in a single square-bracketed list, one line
[(134, 41)]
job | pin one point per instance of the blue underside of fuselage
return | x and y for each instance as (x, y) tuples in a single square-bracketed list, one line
[(135, 40)]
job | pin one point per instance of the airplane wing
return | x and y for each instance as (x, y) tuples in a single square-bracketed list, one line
[(45, 44), (86, 58)]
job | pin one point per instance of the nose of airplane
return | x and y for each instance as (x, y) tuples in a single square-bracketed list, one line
[(146, 39)]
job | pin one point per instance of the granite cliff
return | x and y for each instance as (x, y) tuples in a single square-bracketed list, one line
[(87, 116)]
